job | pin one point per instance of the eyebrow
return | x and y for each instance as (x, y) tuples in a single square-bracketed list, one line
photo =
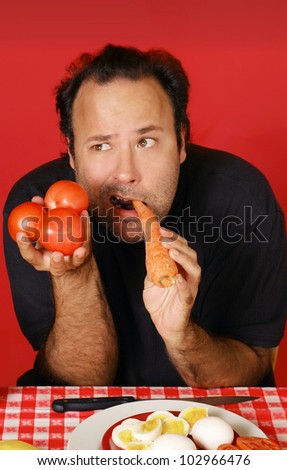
[(146, 129), (100, 137), (105, 137)]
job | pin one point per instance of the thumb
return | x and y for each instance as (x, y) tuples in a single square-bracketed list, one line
[(185, 293)]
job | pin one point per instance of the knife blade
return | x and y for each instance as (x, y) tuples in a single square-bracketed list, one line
[(61, 405)]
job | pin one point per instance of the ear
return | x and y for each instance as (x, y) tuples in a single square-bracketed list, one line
[(71, 158), (182, 152)]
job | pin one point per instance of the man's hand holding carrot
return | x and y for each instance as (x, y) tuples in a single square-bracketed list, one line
[(170, 308)]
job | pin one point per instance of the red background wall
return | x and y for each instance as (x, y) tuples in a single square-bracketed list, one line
[(234, 52)]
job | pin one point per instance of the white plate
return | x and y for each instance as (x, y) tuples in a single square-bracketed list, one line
[(88, 434)]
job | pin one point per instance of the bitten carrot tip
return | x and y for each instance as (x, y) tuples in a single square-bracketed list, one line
[(167, 281)]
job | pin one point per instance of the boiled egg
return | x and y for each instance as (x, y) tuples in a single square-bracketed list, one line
[(208, 433), (138, 445), (147, 430), (130, 421), (193, 414), (175, 425), (173, 442), (161, 414), (122, 435)]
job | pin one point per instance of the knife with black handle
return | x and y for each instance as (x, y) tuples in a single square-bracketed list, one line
[(100, 403)]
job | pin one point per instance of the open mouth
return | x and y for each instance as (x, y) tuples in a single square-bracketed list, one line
[(122, 203)]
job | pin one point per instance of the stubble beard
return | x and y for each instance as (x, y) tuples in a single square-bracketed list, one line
[(129, 229)]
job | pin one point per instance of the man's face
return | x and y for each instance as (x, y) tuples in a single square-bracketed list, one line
[(125, 148)]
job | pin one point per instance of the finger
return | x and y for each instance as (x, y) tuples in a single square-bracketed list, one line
[(166, 232), (38, 200), (188, 261), (181, 245), (87, 227), (38, 246), (168, 236), (28, 252), (186, 295), (79, 256), (58, 265)]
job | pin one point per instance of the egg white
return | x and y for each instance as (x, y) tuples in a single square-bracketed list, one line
[(208, 433), (129, 421), (173, 442), (161, 414), (122, 435), (192, 414)]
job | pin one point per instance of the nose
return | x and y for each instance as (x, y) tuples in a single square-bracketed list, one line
[(126, 170)]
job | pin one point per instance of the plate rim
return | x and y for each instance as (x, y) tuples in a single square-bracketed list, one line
[(102, 419)]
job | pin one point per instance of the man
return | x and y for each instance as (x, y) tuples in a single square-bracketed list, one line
[(95, 316)]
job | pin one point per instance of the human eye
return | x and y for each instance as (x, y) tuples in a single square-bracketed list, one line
[(146, 142), (101, 147)]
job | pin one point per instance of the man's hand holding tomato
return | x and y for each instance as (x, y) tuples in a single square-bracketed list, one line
[(55, 262), (65, 252), (63, 227)]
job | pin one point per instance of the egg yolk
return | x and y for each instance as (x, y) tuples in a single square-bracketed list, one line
[(126, 436), (138, 446), (172, 426), (192, 414), (149, 425)]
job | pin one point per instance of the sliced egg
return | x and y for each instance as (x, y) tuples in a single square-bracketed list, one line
[(210, 432), (139, 445), (161, 414), (131, 421), (147, 430), (122, 435), (173, 442), (175, 425), (193, 414)]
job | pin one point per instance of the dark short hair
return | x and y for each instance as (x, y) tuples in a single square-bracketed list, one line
[(114, 62)]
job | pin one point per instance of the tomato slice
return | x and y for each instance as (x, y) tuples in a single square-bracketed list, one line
[(256, 443), (227, 447)]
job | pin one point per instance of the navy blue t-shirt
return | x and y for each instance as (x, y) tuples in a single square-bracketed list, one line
[(227, 211)]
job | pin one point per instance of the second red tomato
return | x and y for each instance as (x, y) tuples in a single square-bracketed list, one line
[(63, 230)]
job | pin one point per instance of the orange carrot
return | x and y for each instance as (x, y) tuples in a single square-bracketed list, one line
[(161, 268)]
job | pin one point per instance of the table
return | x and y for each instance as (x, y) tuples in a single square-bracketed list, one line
[(26, 414)]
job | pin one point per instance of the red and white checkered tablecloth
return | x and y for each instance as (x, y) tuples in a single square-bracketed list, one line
[(26, 414)]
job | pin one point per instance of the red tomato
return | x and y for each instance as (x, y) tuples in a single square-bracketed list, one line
[(63, 230), (27, 217), (256, 443), (66, 193), (227, 447)]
